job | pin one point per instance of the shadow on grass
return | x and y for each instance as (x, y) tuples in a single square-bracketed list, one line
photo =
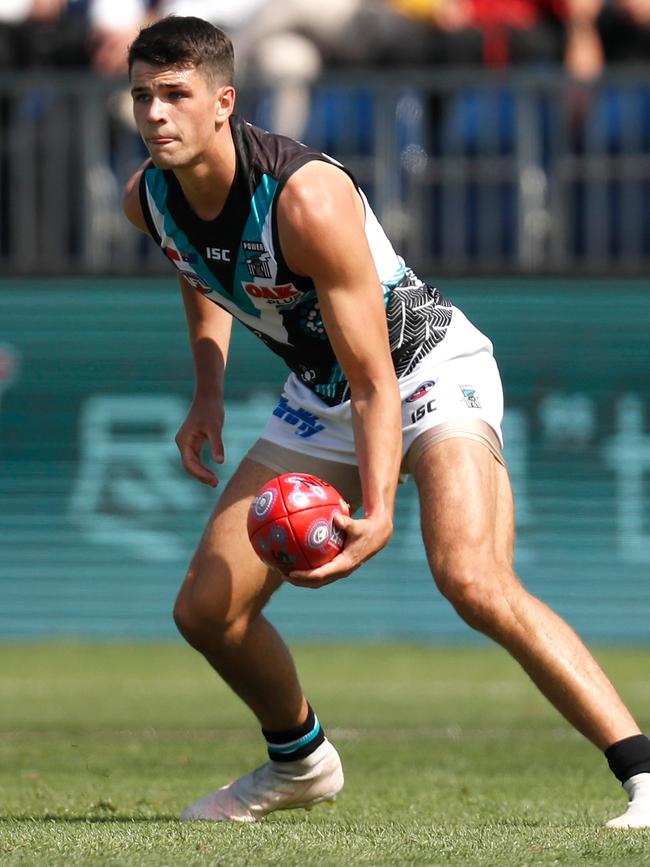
[(91, 820)]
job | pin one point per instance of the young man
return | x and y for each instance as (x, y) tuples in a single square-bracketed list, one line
[(262, 228)]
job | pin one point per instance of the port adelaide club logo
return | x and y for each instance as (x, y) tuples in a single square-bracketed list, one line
[(257, 259)]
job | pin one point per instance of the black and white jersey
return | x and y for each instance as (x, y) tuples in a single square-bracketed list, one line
[(236, 261)]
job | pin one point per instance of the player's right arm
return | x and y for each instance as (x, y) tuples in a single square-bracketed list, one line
[(209, 329)]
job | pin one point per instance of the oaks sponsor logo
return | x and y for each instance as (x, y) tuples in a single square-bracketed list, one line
[(276, 295)]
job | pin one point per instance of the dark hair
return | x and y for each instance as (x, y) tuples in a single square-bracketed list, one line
[(185, 41)]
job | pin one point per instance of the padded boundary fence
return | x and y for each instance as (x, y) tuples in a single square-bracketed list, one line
[(98, 520)]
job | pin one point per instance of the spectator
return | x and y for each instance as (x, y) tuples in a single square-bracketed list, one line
[(581, 34), (290, 43), (584, 51), (282, 43), (113, 26), (36, 33), (493, 33), (625, 31)]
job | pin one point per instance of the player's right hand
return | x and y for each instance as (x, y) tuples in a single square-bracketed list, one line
[(204, 423), (364, 538)]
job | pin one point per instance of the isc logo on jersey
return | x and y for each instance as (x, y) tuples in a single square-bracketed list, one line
[(217, 254), (276, 296)]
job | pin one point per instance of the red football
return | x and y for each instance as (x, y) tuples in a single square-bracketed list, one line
[(291, 522)]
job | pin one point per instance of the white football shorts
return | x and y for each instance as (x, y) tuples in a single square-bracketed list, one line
[(454, 391)]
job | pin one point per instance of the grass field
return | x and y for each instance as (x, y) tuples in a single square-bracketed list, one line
[(451, 758)]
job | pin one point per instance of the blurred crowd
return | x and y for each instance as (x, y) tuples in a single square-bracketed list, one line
[(289, 37), (289, 43)]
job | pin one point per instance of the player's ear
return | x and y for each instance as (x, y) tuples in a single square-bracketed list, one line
[(225, 102)]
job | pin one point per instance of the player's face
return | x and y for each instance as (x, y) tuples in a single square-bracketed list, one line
[(176, 111)]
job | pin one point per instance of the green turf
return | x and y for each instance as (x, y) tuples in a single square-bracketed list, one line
[(451, 758)]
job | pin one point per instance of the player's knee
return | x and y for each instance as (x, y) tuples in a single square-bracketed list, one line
[(201, 621), (189, 622), (208, 615), (477, 594)]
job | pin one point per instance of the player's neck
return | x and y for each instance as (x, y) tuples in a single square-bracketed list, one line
[(206, 184)]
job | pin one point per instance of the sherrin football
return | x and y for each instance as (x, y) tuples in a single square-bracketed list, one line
[(291, 522)]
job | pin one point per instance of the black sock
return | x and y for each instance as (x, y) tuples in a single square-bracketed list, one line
[(295, 743), (629, 757)]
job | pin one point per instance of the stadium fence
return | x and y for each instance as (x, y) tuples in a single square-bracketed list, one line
[(526, 173)]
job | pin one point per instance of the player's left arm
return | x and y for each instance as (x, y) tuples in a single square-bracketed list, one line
[(321, 227)]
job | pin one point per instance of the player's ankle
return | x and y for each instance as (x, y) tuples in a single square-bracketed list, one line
[(630, 758), (297, 743)]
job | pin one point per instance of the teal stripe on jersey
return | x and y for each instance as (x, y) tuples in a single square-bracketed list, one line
[(158, 188), (394, 281), (337, 375), (158, 191), (261, 204)]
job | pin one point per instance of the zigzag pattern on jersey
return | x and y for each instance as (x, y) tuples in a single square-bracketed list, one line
[(418, 318)]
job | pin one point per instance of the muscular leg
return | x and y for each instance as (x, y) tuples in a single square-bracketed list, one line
[(468, 529), (218, 610)]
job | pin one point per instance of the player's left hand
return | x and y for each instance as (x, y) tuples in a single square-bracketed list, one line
[(364, 538)]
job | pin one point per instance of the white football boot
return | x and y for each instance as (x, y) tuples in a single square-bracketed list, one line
[(274, 786), (637, 814)]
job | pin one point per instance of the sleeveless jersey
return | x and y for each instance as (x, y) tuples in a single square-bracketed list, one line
[(236, 261)]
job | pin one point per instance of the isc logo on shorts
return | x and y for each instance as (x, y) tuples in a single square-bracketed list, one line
[(425, 408)]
